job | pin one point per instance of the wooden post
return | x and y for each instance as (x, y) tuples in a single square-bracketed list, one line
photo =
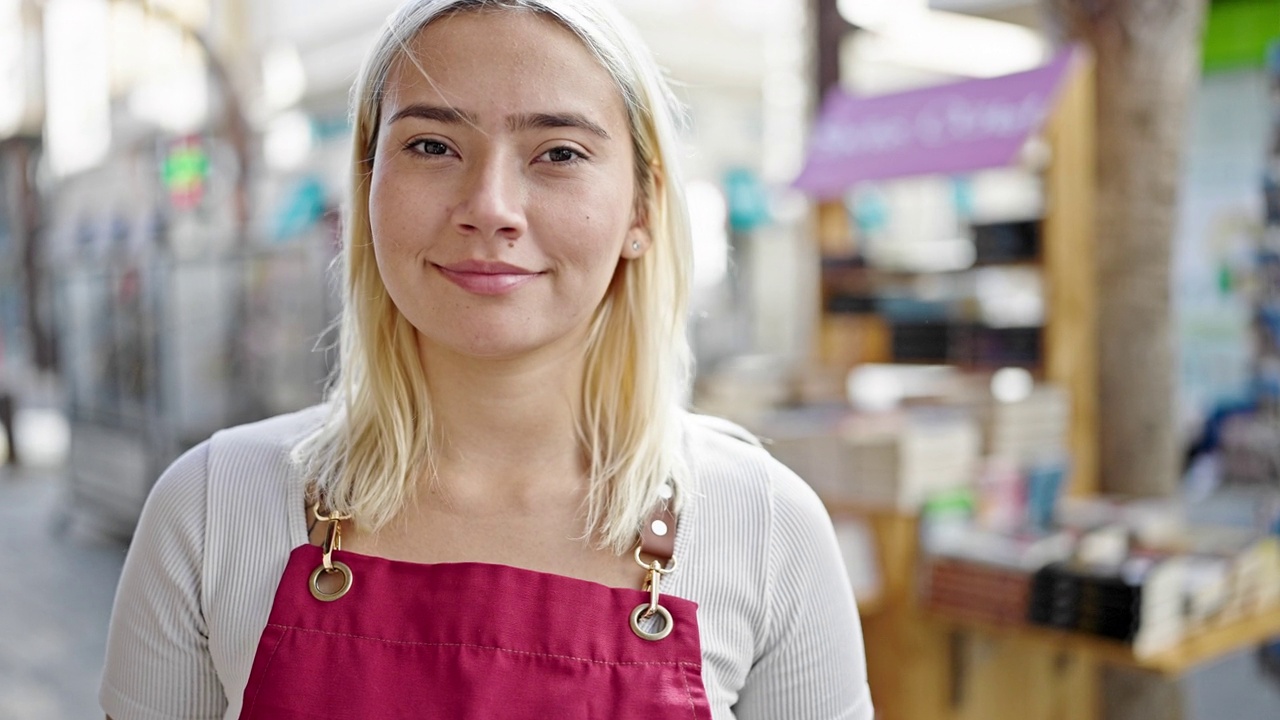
[(836, 343), (1147, 54), (1071, 331)]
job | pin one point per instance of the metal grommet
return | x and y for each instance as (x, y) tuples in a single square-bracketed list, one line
[(667, 623), (347, 579)]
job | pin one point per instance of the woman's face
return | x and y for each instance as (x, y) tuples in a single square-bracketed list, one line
[(503, 187)]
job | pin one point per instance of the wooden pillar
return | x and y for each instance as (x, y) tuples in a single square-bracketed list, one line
[(1147, 54), (832, 230), (1071, 330)]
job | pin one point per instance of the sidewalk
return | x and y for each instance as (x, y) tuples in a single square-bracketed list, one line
[(55, 605)]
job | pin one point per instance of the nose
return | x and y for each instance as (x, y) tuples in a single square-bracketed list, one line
[(491, 203)]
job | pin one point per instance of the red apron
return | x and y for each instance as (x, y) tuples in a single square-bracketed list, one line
[(468, 641)]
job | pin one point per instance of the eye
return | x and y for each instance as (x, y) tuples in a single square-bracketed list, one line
[(563, 156), (428, 147)]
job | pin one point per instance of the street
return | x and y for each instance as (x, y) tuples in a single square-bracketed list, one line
[(56, 603)]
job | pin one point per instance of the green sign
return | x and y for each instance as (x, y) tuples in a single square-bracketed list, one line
[(1237, 33), (185, 169)]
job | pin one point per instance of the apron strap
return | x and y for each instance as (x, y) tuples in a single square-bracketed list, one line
[(658, 535)]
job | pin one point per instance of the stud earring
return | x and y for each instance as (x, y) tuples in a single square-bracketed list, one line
[(635, 246)]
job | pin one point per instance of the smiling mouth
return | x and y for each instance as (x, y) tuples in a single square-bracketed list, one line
[(480, 278)]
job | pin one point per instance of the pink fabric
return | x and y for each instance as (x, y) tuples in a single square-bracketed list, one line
[(468, 641)]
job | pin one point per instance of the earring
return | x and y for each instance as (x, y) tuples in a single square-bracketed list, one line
[(635, 246)]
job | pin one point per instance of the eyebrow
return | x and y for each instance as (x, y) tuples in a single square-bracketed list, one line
[(555, 120), (526, 121), (447, 115)]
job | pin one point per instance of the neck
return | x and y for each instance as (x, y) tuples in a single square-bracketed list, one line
[(507, 426)]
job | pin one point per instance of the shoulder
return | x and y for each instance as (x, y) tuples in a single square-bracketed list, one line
[(252, 479), (728, 460), (746, 518), (269, 440), (175, 506), (712, 428), (255, 517), (257, 455), (253, 450), (718, 449)]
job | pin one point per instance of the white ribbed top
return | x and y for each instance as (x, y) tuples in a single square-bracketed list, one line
[(780, 633)]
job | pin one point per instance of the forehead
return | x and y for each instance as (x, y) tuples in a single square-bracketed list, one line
[(488, 61)]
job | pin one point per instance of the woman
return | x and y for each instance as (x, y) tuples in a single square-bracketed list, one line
[(500, 511)]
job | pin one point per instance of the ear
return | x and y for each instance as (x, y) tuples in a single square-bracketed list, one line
[(639, 238), (637, 242)]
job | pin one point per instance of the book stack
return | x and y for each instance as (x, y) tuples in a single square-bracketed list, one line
[(1251, 450), (1030, 430), (985, 346), (1207, 592), (1005, 242), (977, 591), (920, 454), (809, 442), (1235, 573), (745, 389), (1138, 601), (916, 341), (895, 460), (986, 575), (1258, 575)]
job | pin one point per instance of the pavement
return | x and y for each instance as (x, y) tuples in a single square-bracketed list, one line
[(55, 603)]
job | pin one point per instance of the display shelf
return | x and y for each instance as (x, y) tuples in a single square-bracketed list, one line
[(1202, 646), (1199, 648), (842, 266), (854, 329), (942, 679), (847, 509)]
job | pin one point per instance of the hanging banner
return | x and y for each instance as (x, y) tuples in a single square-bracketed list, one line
[(956, 128)]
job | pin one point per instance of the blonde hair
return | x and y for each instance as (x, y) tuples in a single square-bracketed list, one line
[(379, 436)]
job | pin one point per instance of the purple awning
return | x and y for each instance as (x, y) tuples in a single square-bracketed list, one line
[(950, 129)]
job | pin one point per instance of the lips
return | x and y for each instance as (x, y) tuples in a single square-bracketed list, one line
[(487, 278)]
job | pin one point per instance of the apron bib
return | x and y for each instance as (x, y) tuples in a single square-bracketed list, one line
[(468, 641)]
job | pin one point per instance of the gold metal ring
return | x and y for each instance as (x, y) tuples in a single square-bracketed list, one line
[(347, 580), (667, 622)]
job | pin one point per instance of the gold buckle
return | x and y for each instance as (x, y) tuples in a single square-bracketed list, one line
[(645, 611), (671, 566), (332, 541)]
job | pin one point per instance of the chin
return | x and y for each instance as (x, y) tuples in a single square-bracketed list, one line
[(486, 344)]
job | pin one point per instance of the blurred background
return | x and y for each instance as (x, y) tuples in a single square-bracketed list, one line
[(999, 278)]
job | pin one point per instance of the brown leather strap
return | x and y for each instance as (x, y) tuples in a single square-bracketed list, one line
[(658, 536)]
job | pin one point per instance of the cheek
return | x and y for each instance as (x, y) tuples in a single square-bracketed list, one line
[(590, 228), (398, 216), (381, 210)]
